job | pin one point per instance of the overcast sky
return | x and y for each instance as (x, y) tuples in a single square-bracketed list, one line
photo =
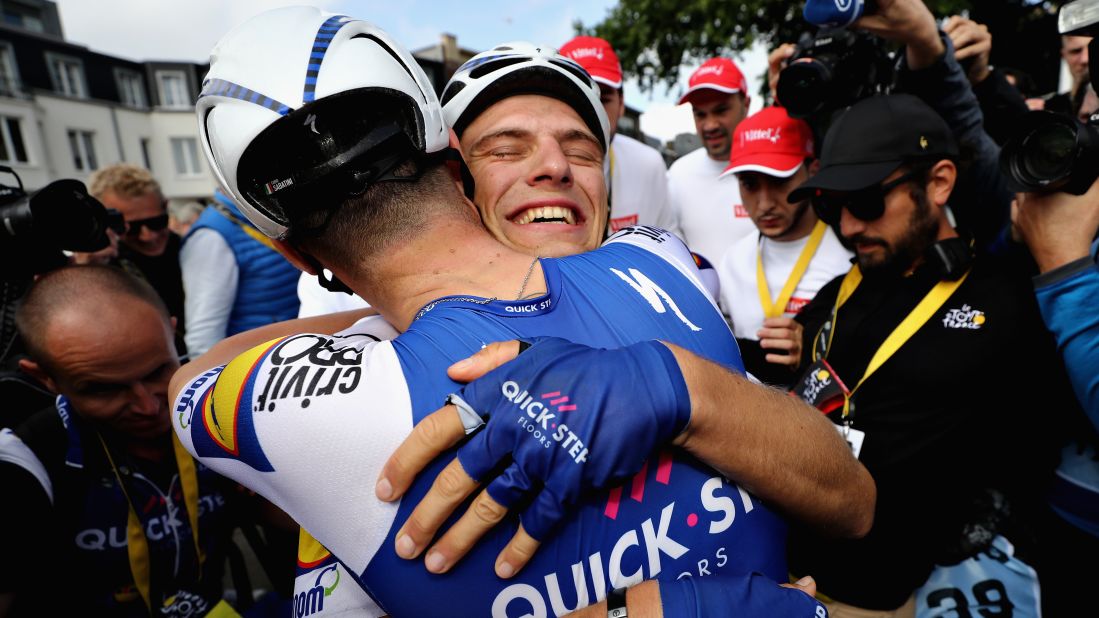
[(177, 30)]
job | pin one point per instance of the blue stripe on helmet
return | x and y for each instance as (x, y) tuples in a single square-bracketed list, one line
[(325, 34), (223, 88)]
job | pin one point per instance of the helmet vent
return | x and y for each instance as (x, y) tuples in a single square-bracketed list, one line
[(454, 88), (389, 50), (496, 65), (580, 73)]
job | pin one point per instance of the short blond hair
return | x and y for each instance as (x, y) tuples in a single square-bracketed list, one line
[(124, 180)]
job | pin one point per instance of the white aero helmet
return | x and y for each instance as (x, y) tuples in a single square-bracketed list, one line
[(519, 68), (302, 109)]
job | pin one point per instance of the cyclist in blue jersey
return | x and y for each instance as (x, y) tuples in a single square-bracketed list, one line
[(303, 419)]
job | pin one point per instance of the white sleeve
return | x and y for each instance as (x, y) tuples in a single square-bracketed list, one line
[(210, 274), (315, 300), (307, 422)]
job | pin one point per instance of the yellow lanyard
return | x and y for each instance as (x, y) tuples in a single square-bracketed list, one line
[(900, 335), (137, 546), (779, 306)]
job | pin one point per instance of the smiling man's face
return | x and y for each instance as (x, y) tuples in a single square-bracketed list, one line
[(538, 171)]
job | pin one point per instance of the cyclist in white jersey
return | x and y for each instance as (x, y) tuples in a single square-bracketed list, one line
[(257, 182)]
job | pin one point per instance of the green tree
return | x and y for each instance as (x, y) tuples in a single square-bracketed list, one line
[(654, 38)]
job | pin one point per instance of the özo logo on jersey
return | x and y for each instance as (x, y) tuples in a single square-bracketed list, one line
[(540, 421)]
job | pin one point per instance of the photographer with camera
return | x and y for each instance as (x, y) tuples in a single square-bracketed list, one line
[(926, 68), (1052, 159), (147, 248)]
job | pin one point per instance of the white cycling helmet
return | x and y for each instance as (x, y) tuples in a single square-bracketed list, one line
[(303, 108), (519, 68)]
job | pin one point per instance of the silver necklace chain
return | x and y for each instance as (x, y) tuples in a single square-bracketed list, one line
[(526, 279)]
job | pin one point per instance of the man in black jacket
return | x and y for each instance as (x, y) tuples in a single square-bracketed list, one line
[(927, 356)]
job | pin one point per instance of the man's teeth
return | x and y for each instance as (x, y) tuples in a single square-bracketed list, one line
[(546, 214)]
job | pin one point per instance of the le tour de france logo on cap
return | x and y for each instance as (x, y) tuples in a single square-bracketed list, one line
[(923, 142)]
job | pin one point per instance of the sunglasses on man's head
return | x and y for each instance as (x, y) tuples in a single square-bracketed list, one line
[(866, 204), (153, 224)]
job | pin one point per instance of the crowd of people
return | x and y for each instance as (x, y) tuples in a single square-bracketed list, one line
[(479, 353)]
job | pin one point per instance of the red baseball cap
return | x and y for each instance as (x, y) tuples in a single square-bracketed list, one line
[(721, 74), (597, 57), (770, 142)]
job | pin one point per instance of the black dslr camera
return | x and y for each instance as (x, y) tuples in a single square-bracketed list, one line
[(35, 229), (1051, 152), (831, 70), (34, 232)]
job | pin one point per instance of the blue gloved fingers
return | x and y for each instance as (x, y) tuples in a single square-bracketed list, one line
[(547, 511), (743, 596), (447, 493), (484, 450), (509, 487)]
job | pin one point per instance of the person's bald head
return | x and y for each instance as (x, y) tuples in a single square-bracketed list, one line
[(103, 339), (78, 300)]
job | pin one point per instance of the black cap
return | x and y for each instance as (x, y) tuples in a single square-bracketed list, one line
[(873, 138)]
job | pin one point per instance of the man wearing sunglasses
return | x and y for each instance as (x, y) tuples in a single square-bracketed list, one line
[(915, 355), (147, 247), (791, 257)]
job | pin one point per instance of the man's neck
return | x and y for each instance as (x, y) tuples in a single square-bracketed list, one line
[(945, 232), (799, 230), (447, 259)]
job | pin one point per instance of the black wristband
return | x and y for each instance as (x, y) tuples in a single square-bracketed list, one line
[(616, 603)]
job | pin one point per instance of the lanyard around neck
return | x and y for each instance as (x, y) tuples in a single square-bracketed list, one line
[(137, 546), (900, 335), (776, 309)]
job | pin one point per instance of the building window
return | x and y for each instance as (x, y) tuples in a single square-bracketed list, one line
[(145, 154), (12, 148), (9, 72), (185, 154), (67, 74), (131, 88), (82, 145), (27, 18), (173, 89)]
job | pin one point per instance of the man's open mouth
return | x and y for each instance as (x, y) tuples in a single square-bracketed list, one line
[(545, 214)]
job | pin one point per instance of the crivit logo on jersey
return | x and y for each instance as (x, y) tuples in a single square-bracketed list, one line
[(966, 317), (657, 544), (539, 420), (299, 368)]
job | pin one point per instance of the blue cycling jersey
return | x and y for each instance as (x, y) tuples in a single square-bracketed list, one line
[(308, 421)]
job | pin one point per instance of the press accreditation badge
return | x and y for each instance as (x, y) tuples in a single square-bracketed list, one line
[(820, 387), (853, 437)]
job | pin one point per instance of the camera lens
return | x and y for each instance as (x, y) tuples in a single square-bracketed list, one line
[(803, 87), (1047, 153)]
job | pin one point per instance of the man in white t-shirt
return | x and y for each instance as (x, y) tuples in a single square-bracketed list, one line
[(710, 213), (637, 190), (768, 276)]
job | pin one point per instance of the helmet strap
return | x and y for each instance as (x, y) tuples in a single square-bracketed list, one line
[(333, 283)]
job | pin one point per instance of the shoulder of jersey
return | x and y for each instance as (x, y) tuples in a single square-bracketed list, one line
[(638, 149), (656, 241), (222, 423)]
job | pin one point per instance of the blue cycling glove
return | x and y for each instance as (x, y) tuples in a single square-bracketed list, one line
[(573, 419), (833, 13), (743, 596)]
